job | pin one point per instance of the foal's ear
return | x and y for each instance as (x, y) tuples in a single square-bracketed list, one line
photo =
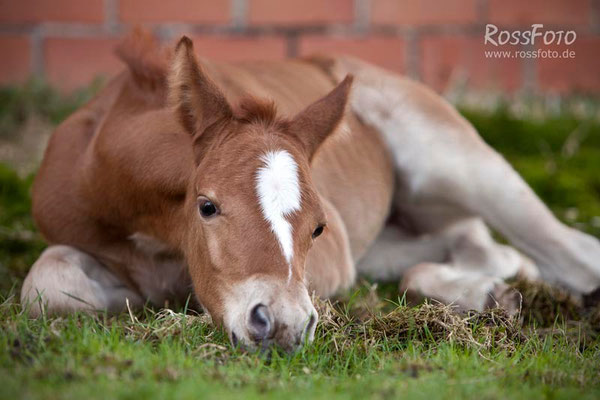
[(198, 101), (317, 121)]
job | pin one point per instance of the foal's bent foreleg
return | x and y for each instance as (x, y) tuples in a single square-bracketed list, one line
[(443, 160), (65, 280)]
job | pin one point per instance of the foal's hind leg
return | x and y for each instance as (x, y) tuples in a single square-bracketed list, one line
[(464, 289), (473, 275), (65, 280), (461, 265), (443, 161), (394, 252)]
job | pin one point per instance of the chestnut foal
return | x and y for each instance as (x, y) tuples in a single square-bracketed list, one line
[(160, 186)]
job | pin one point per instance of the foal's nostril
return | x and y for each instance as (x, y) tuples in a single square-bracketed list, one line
[(260, 322), (309, 327)]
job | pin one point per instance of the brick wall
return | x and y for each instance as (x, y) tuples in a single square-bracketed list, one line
[(69, 42)]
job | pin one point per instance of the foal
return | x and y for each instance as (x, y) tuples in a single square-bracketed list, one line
[(227, 192), (173, 180)]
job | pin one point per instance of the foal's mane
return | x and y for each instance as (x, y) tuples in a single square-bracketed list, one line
[(146, 59), (252, 110), (148, 63)]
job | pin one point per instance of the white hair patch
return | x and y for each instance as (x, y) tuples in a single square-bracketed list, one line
[(278, 192)]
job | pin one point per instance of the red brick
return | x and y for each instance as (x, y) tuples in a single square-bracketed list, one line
[(384, 51), (294, 12), (423, 12), (72, 63), (193, 11), (579, 74), (444, 59), (560, 12), (240, 48), (31, 11), (16, 52)]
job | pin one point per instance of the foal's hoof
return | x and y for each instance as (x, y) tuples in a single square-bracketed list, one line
[(505, 297), (592, 299)]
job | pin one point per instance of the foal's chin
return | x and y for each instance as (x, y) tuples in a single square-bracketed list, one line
[(262, 313)]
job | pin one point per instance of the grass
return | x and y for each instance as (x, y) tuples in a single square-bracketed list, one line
[(367, 345), (35, 97)]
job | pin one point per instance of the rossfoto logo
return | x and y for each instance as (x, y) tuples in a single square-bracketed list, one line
[(497, 37), (537, 35)]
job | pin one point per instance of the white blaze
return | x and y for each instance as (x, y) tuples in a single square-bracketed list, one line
[(278, 191)]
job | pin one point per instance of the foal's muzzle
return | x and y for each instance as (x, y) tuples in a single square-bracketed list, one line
[(264, 312), (264, 329)]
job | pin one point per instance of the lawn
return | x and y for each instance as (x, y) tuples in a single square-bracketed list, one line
[(368, 343)]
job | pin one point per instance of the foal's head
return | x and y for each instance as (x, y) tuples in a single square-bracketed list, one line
[(253, 211)]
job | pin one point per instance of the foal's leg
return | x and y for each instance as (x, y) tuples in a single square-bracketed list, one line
[(472, 249), (461, 265), (394, 252), (473, 275), (65, 280), (442, 160), (465, 289)]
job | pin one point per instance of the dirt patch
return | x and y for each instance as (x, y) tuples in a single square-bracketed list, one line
[(546, 310), (544, 304), (430, 323), (551, 311)]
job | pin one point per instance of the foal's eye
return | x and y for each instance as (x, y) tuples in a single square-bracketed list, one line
[(317, 232), (207, 208)]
